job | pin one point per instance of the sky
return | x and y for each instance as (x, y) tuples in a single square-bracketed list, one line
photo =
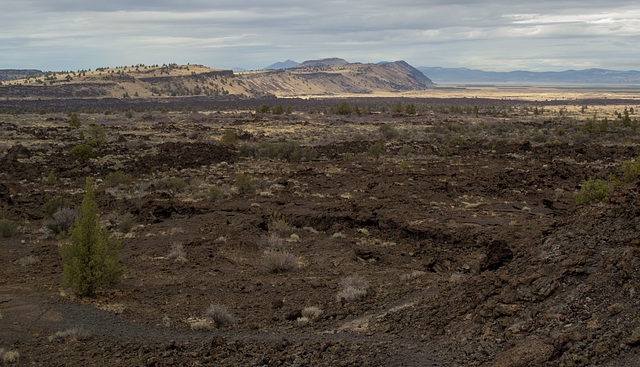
[(496, 35)]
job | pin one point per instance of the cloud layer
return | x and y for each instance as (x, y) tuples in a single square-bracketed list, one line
[(489, 35)]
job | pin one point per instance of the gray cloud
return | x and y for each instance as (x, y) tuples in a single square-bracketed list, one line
[(545, 35)]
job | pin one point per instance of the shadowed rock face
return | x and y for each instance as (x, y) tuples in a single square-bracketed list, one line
[(498, 254)]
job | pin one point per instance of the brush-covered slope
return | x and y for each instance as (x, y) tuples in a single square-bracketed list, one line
[(320, 77)]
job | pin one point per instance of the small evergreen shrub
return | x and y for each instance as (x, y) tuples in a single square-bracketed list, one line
[(244, 183), (278, 110), (376, 149), (126, 222), (229, 138), (630, 170), (91, 258), (97, 135), (82, 153), (51, 179), (53, 205), (343, 108), (74, 121), (593, 191), (410, 109)]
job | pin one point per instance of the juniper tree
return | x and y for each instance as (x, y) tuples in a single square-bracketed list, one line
[(91, 259)]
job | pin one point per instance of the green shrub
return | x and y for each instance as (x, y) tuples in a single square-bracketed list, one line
[(244, 183), (278, 110), (397, 107), (173, 185), (53, 205), (630, 170), (215, 193), (359, 137), (410, 109), (97, 135), (8, 228), (126, 222), (343, 108), (446, 151), (74, 121), (117, 179), (82, 153), (593, 191), (51, 179), (91, 258), (229, 138), (388, 132), (264, 108), (376, 149), (456, 141)]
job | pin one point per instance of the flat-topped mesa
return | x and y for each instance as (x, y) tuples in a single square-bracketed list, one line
[(335, 76), (333, 61)]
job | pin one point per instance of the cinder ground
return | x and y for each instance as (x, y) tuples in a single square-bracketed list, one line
[(464, 229)]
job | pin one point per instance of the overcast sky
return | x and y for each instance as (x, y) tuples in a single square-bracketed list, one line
[(498, 35)]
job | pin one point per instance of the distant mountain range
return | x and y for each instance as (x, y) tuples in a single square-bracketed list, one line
[(282, 65), (569, 77)]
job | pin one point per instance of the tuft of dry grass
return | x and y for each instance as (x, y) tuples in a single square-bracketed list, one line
[(177, 253), (411, 276), (9, 356), (273, 242), (28, 260), (279, 261), (200, 325), (76, 333), (352, 289), (311, 313), (220, 315), (166, 320)]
